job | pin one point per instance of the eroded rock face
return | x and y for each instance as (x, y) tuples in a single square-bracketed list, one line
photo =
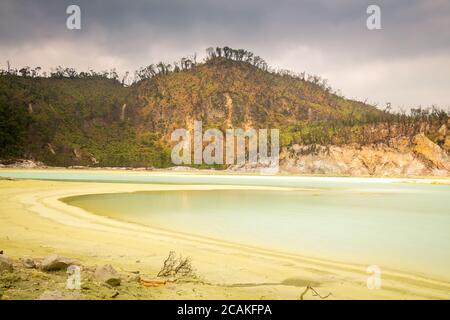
[(443, 130), (23, 163), (77, 153), (55, 263), (108, 275), (402, 156), (431, 152), (6, 263), (446, 145)]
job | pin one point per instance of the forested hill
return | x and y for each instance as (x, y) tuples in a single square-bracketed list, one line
[(69, 118)]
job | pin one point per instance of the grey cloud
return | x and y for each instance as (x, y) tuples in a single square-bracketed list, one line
[(139, 32)]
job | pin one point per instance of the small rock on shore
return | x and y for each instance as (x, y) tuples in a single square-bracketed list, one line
[(108, 275), (6, 263), (55, 263)]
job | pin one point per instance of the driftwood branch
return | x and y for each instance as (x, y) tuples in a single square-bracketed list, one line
[(314, 293), (176, 267)]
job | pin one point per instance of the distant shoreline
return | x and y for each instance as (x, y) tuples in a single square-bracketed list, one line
[(194, 171)]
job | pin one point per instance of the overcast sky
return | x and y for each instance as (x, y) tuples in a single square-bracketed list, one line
[(406, 63)]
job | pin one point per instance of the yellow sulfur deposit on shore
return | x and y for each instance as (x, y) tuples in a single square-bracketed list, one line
[(35, 223)]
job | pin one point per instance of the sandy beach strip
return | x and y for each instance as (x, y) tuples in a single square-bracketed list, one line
[(34, 222)]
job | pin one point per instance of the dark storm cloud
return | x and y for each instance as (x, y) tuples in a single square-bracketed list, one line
[(327, 37)]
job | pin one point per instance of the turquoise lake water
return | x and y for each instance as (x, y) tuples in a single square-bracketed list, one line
[(369, 221)]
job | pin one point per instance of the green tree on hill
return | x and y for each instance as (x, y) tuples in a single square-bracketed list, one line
[(14, 122)]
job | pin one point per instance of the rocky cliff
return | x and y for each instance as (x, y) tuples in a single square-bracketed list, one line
[(401, 156)]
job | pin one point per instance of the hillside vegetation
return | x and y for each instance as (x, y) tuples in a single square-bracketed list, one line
[(96, 119)]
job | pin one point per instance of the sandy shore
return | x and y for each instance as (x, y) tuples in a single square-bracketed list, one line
[(35, 223)]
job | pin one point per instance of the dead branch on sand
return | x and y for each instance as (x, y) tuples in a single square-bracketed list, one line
[(176, 267), (314, 293)]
